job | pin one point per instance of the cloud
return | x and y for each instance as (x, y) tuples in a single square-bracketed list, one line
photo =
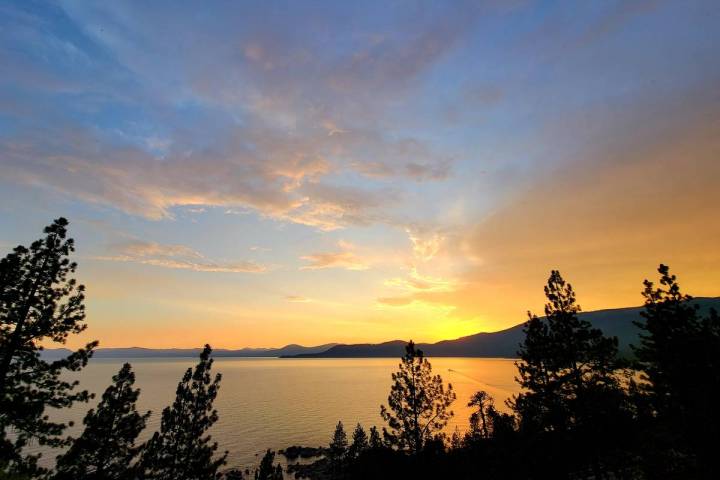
[(643, 195), (196, 210), (425, 244), (329, 207), (409, 301), (176, 256), (346, 259), (415, 282), (297, 299), (420, 288), (274, 185), (246, 118), (396, 301)]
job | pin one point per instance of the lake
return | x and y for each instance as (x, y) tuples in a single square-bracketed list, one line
[(274, 403)]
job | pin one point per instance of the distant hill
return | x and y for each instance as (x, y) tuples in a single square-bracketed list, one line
[(137, 352), (616, 322)]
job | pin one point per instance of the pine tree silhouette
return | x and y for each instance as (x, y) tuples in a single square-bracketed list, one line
[(375, 441), (337, 451), (481, 425), (359, 442), (418, 404), (106, 449), (679, 355), (572, 390), (39, 302), (182, 450), (268, 471)]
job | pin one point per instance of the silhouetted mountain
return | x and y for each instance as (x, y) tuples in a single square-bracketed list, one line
[(616, 322), (137, 352)]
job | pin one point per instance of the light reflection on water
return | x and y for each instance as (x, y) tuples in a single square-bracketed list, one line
[(274, 403)]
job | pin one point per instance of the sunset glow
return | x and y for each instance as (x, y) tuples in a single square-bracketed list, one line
[(273, 173)]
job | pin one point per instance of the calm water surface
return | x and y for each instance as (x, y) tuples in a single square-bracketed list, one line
[(275, 403)]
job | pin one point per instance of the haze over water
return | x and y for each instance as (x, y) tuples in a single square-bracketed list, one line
[(275, 403)]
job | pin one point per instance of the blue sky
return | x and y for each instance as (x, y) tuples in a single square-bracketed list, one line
[(275, 172)]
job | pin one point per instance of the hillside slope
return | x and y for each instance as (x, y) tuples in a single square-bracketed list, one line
[(616, 322)]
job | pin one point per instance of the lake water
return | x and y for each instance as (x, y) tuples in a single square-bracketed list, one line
[(274, 403)]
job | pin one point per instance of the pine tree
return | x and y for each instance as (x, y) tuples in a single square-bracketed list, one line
[(375, 442), (679, 355), (562, 359), (39, 303), (181, 450), (266, 470), (572, 391), (418, 404), (338, 444), (456, 441), (359, 442), (106, 449), (481, 419)]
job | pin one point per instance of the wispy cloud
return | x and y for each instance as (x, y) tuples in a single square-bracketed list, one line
[(176, 256), (346, 259), (418, 289), (297, 299), (403, 301), (415, 282), (281, 161), (425, 243)]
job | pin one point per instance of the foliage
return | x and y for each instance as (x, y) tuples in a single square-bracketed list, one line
[(418, 404), (39, 302), (359, 442), (561, 358), (106, 449), (337, 451), (456, 439), (679, 355), (181, 450), (233, 474), (339, 443), (266, 470), (375, 441), (481, 425), (572, 393)]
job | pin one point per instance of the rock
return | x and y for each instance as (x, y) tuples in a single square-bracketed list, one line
[(297, 451)]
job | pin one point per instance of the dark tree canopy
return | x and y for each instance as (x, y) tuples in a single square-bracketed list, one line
[(106, 449), (266, 470), (337, 450), (481, 420), (339, 442), (39, 302), (359, 442), (182, 450), (418, 404), (679, 355), (375, 442), (574, 402), (562, 359)]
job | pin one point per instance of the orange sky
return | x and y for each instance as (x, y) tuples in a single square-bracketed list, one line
[(360, 173)]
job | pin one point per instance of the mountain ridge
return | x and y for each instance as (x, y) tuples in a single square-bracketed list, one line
[(617, 322), (143, 352), (614, 322)]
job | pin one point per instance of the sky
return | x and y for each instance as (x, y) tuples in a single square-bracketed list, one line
[(264, 173)]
